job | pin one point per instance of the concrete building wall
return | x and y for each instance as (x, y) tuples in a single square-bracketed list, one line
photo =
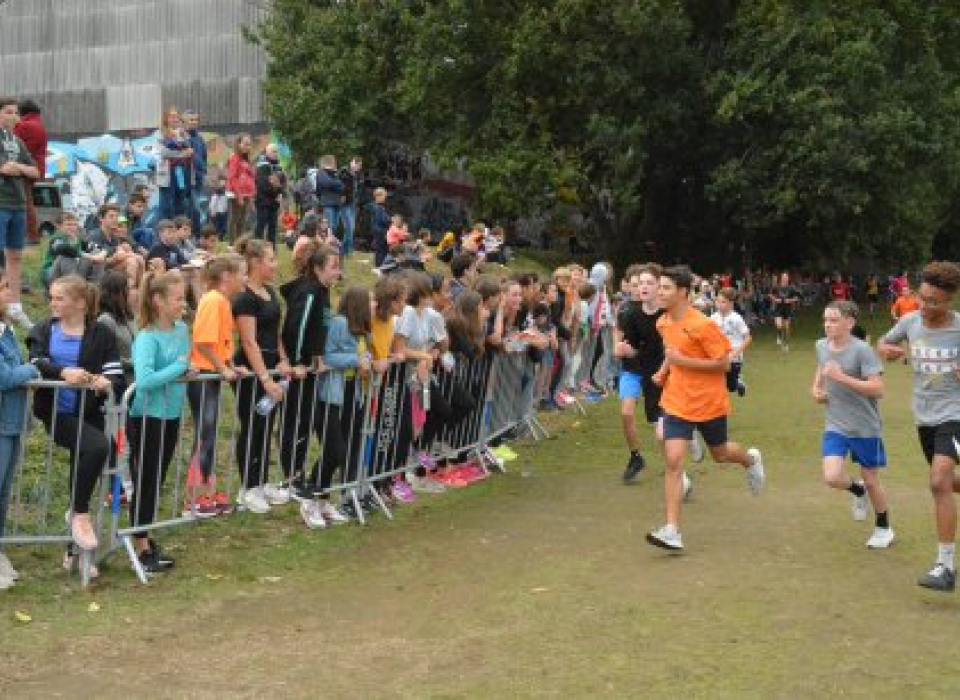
[(99, 66)]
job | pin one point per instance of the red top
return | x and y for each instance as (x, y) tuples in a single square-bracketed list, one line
[(840, 290), (31, 131), (240, 177)]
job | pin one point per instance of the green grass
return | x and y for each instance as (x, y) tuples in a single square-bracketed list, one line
[(535, 583)]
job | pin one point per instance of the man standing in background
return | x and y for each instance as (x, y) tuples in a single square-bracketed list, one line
[(32, 132), (191, 122), (352, 196), (16, 168)]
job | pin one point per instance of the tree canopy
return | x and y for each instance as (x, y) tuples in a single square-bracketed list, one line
[(793, 131)]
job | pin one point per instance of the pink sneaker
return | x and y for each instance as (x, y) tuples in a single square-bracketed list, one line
[(426, 461), (403, 491)]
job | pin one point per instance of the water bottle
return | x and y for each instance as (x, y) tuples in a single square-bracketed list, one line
[(425, 396), (266, 404)]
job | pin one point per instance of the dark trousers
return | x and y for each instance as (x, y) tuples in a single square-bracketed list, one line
[(89, 451), (339, 430), (266, 223), (153, 442), (204, 400), (253, 437), (299, 417)]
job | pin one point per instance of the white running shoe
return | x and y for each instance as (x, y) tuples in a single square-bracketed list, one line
[(6, 568), (253, 500), (332, 514), (276, 494), (755, 473), (312, 517), (696, 448), (666, 537), (881, 538), (860, 505)]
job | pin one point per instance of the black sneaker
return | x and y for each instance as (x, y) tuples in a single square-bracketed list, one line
[(634, 467), (348, 510), (165, 561), (741, 389), (301, 492), (369, 504), (939, 578), (150, 563)]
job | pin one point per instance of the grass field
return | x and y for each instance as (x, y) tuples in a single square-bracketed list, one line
[(535, 583)]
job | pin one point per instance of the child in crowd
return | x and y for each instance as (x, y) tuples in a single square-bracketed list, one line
[(397, 233), (70, 253), (160, 357), (738, 333)]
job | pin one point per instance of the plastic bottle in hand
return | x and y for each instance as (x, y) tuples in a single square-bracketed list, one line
[(266, 404)]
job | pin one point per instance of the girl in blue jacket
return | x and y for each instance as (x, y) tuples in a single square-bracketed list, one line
[(14, 374)]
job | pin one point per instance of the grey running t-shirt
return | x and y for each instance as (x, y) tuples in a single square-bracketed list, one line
[(848, 412), (935, 354)]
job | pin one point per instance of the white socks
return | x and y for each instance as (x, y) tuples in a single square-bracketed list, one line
[(945, 555)]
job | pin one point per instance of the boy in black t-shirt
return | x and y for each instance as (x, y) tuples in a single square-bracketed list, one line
[(168, 249), (640, 349)]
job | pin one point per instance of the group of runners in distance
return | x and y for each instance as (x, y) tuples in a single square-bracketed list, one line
[(684, 364)]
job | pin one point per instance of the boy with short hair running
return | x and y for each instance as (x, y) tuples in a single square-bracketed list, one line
[(849, 382), (784, 297), (696, 357), (933, 333), (737, 332), (638, 346)]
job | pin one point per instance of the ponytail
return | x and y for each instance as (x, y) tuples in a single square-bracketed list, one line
[(155, 283)]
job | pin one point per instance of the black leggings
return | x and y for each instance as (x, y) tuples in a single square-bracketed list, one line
[(253, 437), (88, 457), (339, 429), (156, 439), (300, 412), (204, 400), (266, 223)]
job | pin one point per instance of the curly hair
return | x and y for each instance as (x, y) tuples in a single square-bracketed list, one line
[(943, 275)]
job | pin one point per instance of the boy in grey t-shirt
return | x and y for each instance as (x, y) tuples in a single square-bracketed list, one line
[(933, 333), (849, 381)]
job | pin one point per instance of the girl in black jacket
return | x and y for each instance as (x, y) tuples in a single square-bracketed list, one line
[(303, 336), (74, 347)]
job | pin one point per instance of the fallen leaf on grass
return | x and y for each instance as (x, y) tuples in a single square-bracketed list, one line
[(214, 577), (575, 424), (539, 589), (22, 617), (93, 607), (270, 579)]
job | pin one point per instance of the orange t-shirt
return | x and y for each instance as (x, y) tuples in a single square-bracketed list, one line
[(905, 305), (694, 395), (213, 325)]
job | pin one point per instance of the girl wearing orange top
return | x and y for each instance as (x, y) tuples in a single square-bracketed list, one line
[(211, 350), (906, 303)]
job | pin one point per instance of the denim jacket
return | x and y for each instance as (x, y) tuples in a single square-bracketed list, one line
[(14, 373), (339, 354)]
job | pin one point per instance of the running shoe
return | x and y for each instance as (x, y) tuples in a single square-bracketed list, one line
[(332, 514), (402, 490), (276, 494), (421, 484), (635, 465), (860, 505), (504, 452), (426, 461), (205, 507), (221, 503), (741, 389), (666, 537), (881, 538), (253, 501), (939, 578), (755, 474), (311, 515)]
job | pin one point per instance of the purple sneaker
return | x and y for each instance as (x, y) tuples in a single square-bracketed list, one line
[(403, 491), (426, 461)]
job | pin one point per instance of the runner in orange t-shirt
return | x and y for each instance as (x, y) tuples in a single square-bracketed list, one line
[(693, 375), (906, 303)]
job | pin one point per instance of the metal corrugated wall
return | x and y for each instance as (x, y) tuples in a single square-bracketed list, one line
[(110, 65)]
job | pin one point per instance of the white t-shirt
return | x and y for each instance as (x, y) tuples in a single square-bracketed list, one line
[(735, 329)]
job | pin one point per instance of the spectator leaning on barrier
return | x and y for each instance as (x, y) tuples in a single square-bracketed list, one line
[(72, 346), (160, 358), (14, 374), (32, 132), (17, 169)]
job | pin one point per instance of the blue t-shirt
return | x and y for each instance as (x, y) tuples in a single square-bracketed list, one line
[(65, 351)]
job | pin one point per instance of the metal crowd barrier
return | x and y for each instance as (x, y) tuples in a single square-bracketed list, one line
[(490, 397)]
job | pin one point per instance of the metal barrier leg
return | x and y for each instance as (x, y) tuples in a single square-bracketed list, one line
[(134, 559)]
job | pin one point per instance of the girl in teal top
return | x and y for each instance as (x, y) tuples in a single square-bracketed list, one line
[(160, 357)]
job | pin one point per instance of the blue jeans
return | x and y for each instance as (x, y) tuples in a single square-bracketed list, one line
[(348, 215), (174, 202), (332, 214), (9, 453)]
